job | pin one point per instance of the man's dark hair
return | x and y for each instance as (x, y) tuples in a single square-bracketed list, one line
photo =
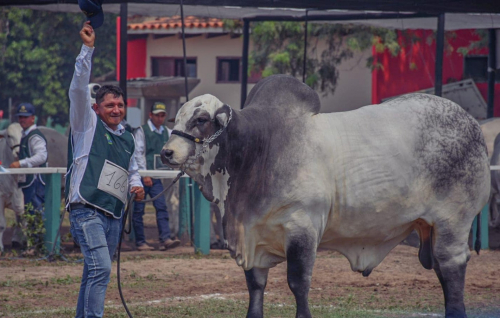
[(108, 89)]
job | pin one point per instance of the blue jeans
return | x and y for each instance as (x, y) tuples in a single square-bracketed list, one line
[(98, 236), (35, 194), (161, 214)]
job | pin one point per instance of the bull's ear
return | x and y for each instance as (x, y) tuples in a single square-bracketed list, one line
[(222, 115)]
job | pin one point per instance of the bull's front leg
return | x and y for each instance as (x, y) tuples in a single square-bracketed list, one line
[(300, 256), (256, 283)]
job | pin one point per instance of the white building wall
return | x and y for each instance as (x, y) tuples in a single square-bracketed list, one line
[(353, 89)]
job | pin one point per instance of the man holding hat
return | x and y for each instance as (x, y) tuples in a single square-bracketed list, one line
[(93, 11), (149, 140), (101, 175), (32, 154)]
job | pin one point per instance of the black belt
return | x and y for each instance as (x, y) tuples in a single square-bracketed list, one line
[(74, 206)]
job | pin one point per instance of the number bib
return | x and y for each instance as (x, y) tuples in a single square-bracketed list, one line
[(114, 180)]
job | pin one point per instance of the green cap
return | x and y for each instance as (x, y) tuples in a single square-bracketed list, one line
[(159, 108)]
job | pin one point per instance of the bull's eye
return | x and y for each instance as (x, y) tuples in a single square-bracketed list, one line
[(201, 120)]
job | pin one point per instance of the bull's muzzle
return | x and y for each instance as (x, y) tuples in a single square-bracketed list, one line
[(166, 155)]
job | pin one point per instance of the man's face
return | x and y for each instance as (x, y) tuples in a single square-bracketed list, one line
[(157, 119), (111, 110), (26, 121)]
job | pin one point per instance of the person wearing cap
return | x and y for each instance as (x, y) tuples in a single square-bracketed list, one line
[(149, 140), (101, 175), (32, 154)]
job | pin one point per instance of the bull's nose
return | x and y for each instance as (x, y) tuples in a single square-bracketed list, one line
[(167, 153)]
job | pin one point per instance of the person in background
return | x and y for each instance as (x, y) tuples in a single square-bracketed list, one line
[(101, 175), (149, 140), (32, 154)]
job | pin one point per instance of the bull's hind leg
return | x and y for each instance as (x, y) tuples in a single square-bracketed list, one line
[(451, 253), (256, 283), (300, 256)]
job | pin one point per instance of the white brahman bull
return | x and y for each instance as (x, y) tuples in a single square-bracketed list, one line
[(10, 195), (494, 219), (289, 180)]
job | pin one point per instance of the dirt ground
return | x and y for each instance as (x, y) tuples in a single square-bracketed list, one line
[(179, 276)]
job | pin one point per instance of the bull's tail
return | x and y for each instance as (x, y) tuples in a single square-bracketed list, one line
[(477, 245)]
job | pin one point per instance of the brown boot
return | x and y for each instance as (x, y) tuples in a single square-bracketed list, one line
[(169, 244), (145, 247)]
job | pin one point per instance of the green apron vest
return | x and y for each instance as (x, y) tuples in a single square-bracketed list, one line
[(24, 152), (154, 142), (118, 150)]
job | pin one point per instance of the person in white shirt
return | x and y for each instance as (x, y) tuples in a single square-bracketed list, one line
[(102, 173), (149, 140), (32, 154)]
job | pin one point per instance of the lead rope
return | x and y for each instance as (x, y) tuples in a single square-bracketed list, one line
[(128, 212), (132, 197)]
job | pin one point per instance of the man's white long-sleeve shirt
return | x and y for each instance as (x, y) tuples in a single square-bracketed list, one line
[(140, 143), (83, 121), (38, 150)]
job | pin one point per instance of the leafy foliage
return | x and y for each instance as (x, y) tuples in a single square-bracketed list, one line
[(33, 229), (37, 54), (278, 48)]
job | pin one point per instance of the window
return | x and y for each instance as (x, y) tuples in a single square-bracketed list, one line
[(173, 66), (228, 70), (476, 67)]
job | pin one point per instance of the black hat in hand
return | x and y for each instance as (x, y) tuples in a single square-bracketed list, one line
[(93, 11)]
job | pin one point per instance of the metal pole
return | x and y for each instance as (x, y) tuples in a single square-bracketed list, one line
[(123, 49), (438, 78), (202, 222), (52, 211), (184, 52), (492, 65), (305, 51), (244, 62)]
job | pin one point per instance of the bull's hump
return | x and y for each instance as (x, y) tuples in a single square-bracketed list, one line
[(283, 91)]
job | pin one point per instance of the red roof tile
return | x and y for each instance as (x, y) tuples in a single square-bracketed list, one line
[(175, 22)]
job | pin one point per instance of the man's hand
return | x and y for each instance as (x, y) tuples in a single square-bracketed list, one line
[(139, 193), (87, 34), (147, 181), (15, 164)]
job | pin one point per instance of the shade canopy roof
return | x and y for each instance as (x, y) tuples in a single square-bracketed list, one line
[(458, 16), (396, 20), (435, 6)]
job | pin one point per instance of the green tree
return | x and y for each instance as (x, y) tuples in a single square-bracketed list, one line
[(37, 56), (278, 48)]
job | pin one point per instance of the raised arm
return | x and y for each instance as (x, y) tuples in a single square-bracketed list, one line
[(81, 115)]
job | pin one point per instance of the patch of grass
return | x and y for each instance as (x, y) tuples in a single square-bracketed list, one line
[(222, 308)]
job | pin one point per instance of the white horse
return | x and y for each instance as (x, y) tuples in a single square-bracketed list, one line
[(11, 196)]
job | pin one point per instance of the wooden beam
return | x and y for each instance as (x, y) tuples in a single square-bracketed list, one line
[(214, 35), (244, 61), (187, 36), (131, 37), (161, 36), (438, 78), (492, 65)]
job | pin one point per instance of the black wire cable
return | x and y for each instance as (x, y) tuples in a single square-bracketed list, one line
[(184, 52), (128, 212)]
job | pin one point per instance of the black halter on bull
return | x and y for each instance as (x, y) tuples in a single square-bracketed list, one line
[(204, 142)]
